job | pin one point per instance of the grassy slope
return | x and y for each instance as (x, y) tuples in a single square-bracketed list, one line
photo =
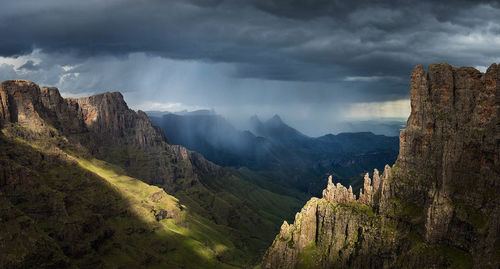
[(197, 234), (225, 222), (248, 215), (87, 213)]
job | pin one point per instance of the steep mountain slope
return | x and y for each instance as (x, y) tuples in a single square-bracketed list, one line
[(66, 162), (438, 206), (276, 130), (286, 156)]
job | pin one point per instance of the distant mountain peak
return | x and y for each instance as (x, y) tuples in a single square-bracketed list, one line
[(254, 118), (276, 118), (199, 112), (255, 122), (275, 128), (276, 122)]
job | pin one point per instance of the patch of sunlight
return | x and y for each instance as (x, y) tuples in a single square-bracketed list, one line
[(200, 233), (196, 233), (135, 191), (220, 248), (201, 249)]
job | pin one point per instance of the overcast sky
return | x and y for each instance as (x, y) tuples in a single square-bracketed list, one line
[(313, 62)]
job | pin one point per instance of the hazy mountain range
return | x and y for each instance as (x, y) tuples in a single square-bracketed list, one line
[(293, 158)]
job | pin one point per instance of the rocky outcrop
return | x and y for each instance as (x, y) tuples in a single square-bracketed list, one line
[(438, 201), (371, 189), (108, 115), (21, 103), (116, 125), (197, 161), (62, 113), (338, 193), (327, 234)]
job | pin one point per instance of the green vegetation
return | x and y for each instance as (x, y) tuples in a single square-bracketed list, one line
[(251, 216), (457, 258), (406, 210), (359, 209), (247, 215), (214, 222), (446, 256), (90, 213), (469, 214), (309, 257), (266, 180), (197, 233)]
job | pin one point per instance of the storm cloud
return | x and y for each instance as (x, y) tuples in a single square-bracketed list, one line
[(313, 62)]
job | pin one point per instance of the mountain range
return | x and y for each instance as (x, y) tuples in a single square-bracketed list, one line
[(284, 154)]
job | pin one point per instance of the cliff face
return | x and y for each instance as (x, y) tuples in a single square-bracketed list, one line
[(108, 115), (439, 200), (21, 102), (105, 127), (451, 146)]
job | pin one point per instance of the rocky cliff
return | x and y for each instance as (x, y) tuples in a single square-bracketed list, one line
[(105, 127), (438, 206)]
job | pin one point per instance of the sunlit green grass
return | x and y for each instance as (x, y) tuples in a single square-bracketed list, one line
[(195, 232), (182, 239)]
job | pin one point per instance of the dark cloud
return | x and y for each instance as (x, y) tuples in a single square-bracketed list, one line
[(312, 51)]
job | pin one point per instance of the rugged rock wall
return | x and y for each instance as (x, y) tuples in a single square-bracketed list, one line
[(451, 148), (438, 206), (21, 102), (104, 126), (108, 115)]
